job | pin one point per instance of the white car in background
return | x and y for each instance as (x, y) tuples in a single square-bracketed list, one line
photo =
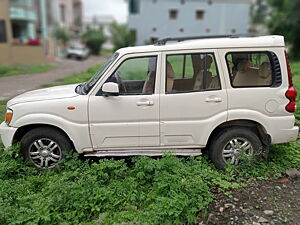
[(231, 95), (78, 51)]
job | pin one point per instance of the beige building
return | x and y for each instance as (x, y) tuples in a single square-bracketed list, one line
[(27, 28), (17, 27)]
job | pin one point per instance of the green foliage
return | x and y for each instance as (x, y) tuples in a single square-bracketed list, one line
[(138, 190), (18, 69), (259, 11), (143, 190), (121, 36), (285, 19), (2, 110), (62, 35), (94, 39)]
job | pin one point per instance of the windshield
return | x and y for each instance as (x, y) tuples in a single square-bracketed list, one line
[(90, 84)]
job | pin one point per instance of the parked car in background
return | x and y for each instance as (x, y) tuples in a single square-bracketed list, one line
[(231, 95), (77, 51)]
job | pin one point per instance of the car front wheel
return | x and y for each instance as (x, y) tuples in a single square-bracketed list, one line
[(44, 148)]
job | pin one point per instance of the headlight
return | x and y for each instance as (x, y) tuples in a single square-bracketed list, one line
[(8, 116)]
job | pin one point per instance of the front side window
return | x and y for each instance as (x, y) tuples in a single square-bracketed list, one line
[(191, 73), (250, 69), (136, 76), (91, 83)]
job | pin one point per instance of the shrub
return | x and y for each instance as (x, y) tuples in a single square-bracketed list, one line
[(62, 35), (94, 39), (121, 36)]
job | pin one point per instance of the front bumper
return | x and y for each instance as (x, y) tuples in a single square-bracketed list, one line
[(7, 134)]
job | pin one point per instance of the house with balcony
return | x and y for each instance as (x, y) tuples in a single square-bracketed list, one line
[(18, 33), (154, 19), (27, 28), (23, 18)]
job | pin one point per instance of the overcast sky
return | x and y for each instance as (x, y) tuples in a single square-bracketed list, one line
[(116, 8)]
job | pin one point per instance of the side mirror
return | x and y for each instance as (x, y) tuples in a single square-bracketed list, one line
[(110, 88)]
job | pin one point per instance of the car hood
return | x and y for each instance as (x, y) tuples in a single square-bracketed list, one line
[(59, 92)]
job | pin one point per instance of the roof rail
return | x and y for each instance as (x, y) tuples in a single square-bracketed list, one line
[(179, 39)]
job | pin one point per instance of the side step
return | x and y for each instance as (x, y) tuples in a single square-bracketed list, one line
[(181, 152)]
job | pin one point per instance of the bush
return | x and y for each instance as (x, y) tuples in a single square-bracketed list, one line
[(94, 39), (121, 36), (144, 190), (62, 35), (138, 190)]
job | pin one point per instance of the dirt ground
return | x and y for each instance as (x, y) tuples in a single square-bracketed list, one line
[(275, 202)]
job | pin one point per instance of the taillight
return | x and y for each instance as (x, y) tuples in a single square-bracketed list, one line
[(290, 75), (291, 93)]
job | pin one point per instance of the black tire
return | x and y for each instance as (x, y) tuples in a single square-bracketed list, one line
[(237, 135), (36, 147)]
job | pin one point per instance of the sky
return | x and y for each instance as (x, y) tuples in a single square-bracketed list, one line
[(116, 8)]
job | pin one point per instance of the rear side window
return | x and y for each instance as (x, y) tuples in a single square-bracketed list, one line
[(191, 73), (253, 69)]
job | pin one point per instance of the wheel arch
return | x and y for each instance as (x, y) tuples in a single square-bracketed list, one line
[(21, 131), (257, 127)]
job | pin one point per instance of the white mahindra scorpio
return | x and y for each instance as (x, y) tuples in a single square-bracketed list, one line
[(231, 95)]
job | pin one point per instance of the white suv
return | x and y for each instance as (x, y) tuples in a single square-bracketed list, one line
[(233, 95)]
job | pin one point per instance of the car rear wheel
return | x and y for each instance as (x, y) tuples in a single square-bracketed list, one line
[(233, 144), (45, 148)]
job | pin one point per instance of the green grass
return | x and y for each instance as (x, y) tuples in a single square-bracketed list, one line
[(105, 51), (76, 78), (136, 190), (19, 69), (295, 66)]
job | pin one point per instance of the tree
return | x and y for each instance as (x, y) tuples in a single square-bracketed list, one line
[(121, 36), (285, 20), (258, 13), (62, 35), (94, 39)]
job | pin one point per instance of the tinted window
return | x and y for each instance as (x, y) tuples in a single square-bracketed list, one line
[(191, 72), (134, 6), (2, 32), (136, 75), (250, 69)]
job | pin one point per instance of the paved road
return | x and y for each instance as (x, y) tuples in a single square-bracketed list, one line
[(15, 85)]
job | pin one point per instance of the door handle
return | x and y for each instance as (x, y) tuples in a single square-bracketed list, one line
[(145, 103), (213, 100)]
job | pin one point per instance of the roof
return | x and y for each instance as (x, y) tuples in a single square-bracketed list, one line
[(211, 43), (222, 1), (99, 19)]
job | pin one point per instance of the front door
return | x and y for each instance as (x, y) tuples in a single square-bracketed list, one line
[(132, 118), (194, 99)]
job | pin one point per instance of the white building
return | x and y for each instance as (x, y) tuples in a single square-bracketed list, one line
[(154, 19)]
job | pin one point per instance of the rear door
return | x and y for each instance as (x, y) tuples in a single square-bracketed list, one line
[(193, 99), (254, 83)]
